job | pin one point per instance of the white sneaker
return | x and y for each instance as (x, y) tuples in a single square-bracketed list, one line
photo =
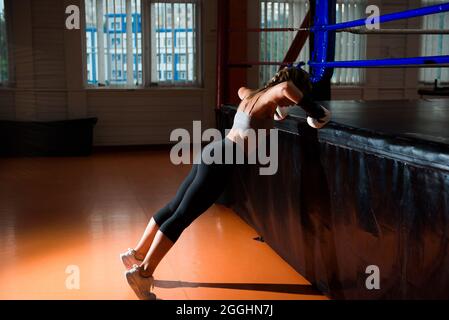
[(141, 286), (319, 123), (129, 259)]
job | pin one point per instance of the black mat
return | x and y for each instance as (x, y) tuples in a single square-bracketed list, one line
[(370, 189)]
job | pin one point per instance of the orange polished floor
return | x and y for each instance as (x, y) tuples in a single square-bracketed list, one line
[(57, 214)]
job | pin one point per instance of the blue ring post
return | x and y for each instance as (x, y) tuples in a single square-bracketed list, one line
[(323, 40)]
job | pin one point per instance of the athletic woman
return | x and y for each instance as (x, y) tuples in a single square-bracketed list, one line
[(205, 182)]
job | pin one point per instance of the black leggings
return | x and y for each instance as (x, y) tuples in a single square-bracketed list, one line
[(199, 190)]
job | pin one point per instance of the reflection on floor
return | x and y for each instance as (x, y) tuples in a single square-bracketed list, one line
[(61, 216)]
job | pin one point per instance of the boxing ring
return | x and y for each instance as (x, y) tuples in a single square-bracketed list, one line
[(369, 189)]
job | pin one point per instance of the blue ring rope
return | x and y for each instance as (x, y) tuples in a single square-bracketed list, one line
[(383, 62), (323, 54), (413, 13)]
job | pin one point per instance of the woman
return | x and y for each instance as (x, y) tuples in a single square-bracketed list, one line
[(206, 182)]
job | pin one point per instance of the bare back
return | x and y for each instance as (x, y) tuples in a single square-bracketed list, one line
[(264, 103)]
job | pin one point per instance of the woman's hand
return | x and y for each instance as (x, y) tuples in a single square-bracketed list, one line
[(281, 113)]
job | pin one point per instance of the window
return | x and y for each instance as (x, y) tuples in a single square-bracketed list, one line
[(174, 32), (4, 65), (115, 41), (109, 23), (182, 58), (349, 46), (290, 14), (115, 26), (435, 44), (117, 73), (274, 45), (181, 41), (113, 57)]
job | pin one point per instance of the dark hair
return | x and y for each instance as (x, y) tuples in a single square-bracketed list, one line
[(299, 77)]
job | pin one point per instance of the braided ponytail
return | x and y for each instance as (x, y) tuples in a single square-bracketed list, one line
[(299, 77)]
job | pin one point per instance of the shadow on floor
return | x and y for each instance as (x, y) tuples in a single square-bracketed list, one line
[(271, 287)]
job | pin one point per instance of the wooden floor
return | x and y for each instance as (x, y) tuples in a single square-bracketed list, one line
[(61, 212)]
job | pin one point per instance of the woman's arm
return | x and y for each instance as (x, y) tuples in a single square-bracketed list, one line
[(291, 92), (313, 109)]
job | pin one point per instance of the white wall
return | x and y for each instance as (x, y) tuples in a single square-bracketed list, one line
[(49, 83)]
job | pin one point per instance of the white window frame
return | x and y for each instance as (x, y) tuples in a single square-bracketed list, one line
[(284, 38), (10, 79), (122, 45), (427, 76), (198, 54), (147, 51), (359, 74)]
